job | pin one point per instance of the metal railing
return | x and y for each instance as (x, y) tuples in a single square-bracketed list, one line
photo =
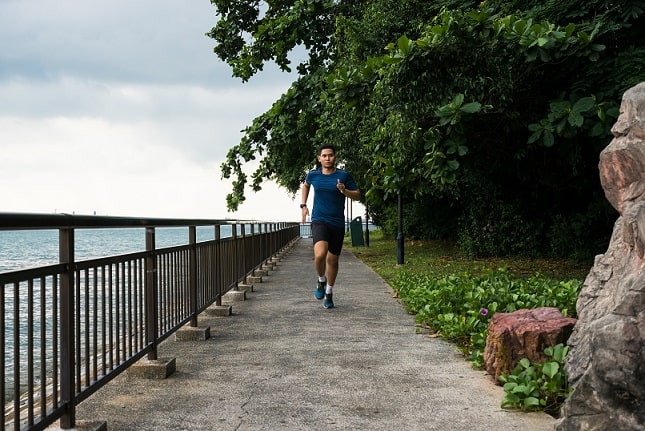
[(305, 230), (69, 328)]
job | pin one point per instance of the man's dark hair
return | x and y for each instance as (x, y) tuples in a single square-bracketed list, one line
[(327, 146)]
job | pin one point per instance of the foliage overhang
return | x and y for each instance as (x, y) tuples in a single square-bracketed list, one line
[(510, 101)]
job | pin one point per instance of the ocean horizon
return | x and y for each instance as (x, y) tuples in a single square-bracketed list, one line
[(22, 249)]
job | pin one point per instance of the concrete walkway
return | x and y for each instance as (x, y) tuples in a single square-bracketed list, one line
[(282, 362)]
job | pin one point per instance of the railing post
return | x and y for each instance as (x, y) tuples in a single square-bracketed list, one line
[(263, 242), (192, 275), (241, 257), (268, 242), (66, 256), (250, 251), (271, 249), (234, 259), (218, 262), (151, 293)]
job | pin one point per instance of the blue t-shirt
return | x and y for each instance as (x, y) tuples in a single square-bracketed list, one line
[(329, 202)]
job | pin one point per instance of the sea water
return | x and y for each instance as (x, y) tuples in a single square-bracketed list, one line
[(24, 249), (21, 249)]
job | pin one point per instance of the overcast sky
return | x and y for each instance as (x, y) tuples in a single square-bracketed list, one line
[(121, 108)]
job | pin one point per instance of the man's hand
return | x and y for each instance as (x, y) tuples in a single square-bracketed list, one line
[(340, 186)]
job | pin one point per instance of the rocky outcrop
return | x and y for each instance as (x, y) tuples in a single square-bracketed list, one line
[(606, 360), (523, 334)]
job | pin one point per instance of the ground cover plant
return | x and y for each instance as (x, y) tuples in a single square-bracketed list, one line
[(538, 386), (455, 297)]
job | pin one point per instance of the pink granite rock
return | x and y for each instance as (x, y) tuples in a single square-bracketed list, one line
[(523, 334)]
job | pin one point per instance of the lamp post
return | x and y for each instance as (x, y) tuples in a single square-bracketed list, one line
[(400, 252), (367, 226)]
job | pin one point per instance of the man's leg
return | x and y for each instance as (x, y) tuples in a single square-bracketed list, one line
[(332, 268), (320, 257), (320, 253), (334, 248), (332, 272)]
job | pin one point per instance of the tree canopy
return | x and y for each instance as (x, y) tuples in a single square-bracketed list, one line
[(488, 118)]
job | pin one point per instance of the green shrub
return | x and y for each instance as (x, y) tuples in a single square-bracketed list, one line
[(459, 307), (538, 386), (489, 226)]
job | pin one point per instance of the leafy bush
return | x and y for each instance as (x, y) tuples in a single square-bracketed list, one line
[(491, 227), (459, 307), (581, 236), (538, 386)]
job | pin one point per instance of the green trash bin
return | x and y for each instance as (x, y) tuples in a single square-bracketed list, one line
[(356, 231)]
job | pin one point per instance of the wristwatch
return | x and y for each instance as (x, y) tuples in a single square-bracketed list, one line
[(303, 205)]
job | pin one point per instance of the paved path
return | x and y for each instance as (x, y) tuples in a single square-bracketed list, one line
[(282, 362)]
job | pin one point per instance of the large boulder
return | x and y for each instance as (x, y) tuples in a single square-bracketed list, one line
[(606, 360), (523, 334)]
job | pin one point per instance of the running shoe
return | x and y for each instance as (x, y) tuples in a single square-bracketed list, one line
[(328, 302), (320, 290)]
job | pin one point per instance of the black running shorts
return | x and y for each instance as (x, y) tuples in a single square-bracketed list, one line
[(334, 236)]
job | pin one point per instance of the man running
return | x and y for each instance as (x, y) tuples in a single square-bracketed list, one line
[(331, 186)]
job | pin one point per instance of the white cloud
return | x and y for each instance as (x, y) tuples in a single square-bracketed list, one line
[(190, 113), (122, 108), (87, 165)]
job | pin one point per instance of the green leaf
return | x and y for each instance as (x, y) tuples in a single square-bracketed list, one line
[(471, 108), (453, 164), (404, 44), (550, 369), (510, 400), (597, 47), (575, 119), (531, 402), (535, 127), (560, 108), (535, 137), (445, 120), (521, 389), (583, 105), (601, 114), (542, 41), (560, 352)]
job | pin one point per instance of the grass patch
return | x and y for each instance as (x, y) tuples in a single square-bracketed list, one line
[(441, 259)]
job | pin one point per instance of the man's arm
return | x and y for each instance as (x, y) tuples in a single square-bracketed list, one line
[(352, 194), (305, 195)]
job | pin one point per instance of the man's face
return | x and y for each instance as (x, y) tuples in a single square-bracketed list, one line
[(327, 158)]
